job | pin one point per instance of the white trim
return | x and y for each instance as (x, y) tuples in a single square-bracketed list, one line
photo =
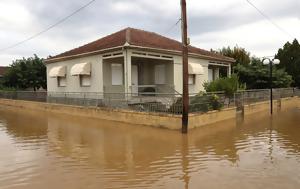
[(115, 54), (179, 52), (219, 64), (140, 47), (151, 55)]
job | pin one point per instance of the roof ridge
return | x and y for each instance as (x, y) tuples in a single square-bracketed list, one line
[(127, 35), (176, 41), (150, 32), (133, 36)]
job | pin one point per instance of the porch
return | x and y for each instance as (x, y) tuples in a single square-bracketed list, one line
[(139, 76), (217, 70)]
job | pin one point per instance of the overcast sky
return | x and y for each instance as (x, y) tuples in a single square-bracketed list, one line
[(211, 24)]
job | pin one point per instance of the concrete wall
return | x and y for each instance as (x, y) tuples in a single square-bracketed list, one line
[(278, 105), (168, 121), (125, 116), (73, 82), (288, 103), (150, 119), (198, 120)]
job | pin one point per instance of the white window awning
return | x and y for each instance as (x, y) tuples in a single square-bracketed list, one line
[(196, 69), (81, 69), (58, 71)]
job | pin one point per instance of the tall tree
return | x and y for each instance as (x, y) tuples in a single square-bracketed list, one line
[(26, 73), (256, 75), (289, 56), (241, 56)]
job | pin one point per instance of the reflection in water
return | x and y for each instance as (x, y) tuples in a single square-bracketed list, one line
[(40, 150)]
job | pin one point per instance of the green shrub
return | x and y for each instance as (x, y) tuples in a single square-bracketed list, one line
[(229, 85), (199, 103), (3, 88), (204, 103)]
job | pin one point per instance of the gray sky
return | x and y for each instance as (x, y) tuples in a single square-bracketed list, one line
[(212, 24)]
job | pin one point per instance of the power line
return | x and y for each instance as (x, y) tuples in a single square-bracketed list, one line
[(269, 19), (174, 25), (48, 28)]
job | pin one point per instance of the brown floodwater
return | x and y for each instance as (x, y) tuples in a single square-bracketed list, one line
[(43, 150)]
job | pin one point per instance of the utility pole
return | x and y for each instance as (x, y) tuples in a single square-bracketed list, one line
[(185, 87)]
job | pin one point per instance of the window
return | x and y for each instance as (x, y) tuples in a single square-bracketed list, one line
[(85, 80), (116, 74), (160, 74), (192, 79), (62, 81)]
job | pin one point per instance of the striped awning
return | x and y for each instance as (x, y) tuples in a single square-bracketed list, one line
[(196, 69), (81, 69), (58, 71)]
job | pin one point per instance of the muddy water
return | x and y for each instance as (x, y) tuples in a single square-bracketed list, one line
[(39, 150)]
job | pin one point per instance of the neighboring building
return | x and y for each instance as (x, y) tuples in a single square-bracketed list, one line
[(3, 69), (132, 61)]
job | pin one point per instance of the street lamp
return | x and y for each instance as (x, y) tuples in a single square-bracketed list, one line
[(268, 61)]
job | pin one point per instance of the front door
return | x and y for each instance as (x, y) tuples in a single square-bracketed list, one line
[(134, 79)]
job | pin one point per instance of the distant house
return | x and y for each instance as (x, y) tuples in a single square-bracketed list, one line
[(132, 61), (3, 69)]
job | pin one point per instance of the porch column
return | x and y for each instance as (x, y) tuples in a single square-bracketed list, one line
[(229, 70), (127, 71)]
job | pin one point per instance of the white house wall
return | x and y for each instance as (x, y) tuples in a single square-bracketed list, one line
[(199, 80), (73, 82)]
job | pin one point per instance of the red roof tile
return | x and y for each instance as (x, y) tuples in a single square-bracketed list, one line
[(139, 38)]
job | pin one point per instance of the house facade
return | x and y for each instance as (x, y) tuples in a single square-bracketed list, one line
[(132, 61)]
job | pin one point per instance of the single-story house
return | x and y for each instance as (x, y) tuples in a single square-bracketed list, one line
[(132, 61)]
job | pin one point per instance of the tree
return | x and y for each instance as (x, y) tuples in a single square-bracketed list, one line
[(256, 76), (289, 56), (26, 73), (239, 54)]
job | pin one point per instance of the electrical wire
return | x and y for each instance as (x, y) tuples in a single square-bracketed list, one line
[(269, 19), (48, 28), (167, 31)]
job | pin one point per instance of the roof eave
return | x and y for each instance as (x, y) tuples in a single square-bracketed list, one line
[(63, 58), (175, 52), (127, 45)]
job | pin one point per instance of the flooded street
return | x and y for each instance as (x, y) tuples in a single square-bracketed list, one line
[(40, 150)]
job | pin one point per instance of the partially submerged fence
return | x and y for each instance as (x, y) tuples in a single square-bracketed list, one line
[(152, 102)]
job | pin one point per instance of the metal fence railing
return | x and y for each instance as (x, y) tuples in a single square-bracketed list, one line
[(170, 103)]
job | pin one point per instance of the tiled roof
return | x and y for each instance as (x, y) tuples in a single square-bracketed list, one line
[(141, 38)]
